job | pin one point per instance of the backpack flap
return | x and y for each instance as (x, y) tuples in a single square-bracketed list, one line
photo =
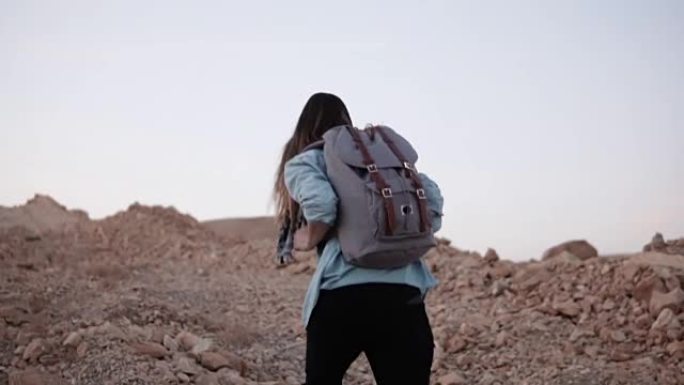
[(347, 150)]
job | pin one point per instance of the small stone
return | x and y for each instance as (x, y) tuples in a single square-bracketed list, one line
[(207, 379), (501, 339), (112, 331), (202, 345), (643, 321), (187, 340), (664, 319), (568, 308), (213, 361), (170, 343), (34, 350), (456, 344), (618, 336), (609, 304), (605, 269), (498, 288), (187, 366), (82, 349), (151, 349), (73, 339), (182, 377), (452, 378), (48, 359), (578, 333), (676, 349), (591, 351), (233, 377)]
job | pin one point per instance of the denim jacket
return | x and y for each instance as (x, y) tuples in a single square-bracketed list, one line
[(307, 182)]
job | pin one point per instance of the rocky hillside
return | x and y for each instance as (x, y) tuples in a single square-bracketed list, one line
[(151, 296)]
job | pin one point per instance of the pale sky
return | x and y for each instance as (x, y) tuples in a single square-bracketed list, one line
[(542, 121)]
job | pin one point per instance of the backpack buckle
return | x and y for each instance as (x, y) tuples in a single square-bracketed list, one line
[(372, 167), (386, 192), (408, 166), (421, 193)]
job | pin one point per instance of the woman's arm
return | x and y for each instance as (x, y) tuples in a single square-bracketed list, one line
[(308, 185)]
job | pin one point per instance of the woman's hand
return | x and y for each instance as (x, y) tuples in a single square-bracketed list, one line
[(307, 237), (301, 239)]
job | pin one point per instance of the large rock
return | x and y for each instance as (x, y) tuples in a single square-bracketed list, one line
[(657, 243), (644, 289), (491, 256), (673, 300), (579, 248), (655, 258)]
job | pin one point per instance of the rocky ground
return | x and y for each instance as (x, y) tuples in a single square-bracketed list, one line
[(151, 296)]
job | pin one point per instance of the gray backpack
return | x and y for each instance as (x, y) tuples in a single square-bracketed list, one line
[(383, 218)]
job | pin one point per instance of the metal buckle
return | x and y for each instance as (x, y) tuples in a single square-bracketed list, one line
[(421, 193), (386, 192), (408, 166), (372, 167)]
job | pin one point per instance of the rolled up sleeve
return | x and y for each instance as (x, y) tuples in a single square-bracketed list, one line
[(435, 201), (308, 184)]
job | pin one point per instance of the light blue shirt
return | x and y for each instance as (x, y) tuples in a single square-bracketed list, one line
[(307, 181)]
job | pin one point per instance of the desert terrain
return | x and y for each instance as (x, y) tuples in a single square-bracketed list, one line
[(153, 296)]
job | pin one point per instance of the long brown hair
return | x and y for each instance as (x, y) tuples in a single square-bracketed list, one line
[(321, 112)]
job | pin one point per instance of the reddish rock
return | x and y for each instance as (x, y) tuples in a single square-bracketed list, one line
[(207, 379), (579, 248), (643, 291), (676, 349), (187, 340), (82, 349), (568, 308), (665, 318), (491, 256), (673, 300), (452, 378), (34, 350), (456, 344), (151, 349), (214, 361), (73, 339)]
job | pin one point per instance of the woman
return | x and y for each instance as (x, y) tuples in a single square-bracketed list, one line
[(349, 309)]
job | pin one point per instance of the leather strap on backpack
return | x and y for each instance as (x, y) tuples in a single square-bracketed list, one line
[(411, 173), (380, 182)]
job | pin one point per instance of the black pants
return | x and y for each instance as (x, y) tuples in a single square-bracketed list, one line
[(385, 321)]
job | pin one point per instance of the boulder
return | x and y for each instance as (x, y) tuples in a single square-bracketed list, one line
[(579, 248), (673, 300)]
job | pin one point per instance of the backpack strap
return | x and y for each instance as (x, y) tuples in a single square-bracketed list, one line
[(412, 174), (380, 182)]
